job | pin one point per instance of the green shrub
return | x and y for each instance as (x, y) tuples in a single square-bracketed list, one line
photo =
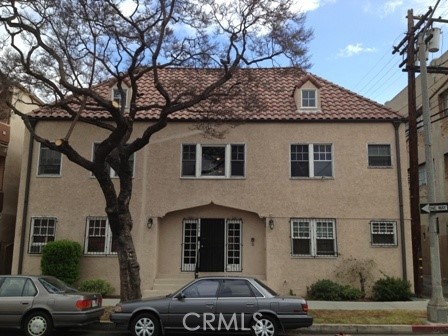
[(96, 286), (392, 289), (331, 291), (61, 258)]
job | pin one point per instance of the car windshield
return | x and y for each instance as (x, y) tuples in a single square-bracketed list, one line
[(266, 288), (53, 285)]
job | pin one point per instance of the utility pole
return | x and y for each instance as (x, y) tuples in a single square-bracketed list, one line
[(437, 307), (413, 161)]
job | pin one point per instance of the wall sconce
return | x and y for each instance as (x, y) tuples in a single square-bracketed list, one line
[(149, 223), (271, 224), (252, 240)]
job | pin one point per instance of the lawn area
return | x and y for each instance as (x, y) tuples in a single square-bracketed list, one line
[(395, 316)]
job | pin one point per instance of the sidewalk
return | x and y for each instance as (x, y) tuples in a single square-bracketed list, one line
[(332, 329)]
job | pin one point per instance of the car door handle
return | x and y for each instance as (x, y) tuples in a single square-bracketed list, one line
[(250, 304), (25, 303), (210, 305)]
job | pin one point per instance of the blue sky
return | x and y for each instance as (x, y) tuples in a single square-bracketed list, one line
[(353, 41)]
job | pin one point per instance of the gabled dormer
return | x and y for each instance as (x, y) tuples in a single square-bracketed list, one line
[(307, 94)]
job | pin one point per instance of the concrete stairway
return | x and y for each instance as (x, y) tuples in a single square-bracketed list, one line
[(166, 284)]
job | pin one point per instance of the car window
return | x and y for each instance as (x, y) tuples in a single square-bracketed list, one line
[(12, 287), (202, 289), (235, 288), (54, 285), (255, 291), (266, 288), (30, 289)]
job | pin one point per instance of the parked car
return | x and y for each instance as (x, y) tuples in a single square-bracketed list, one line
[(37, 304), (241, 304)]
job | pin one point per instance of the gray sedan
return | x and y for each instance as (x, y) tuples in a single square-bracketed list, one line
[(37, 304), (237, 304)]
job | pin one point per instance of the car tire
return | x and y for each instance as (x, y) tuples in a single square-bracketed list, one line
[(264, 326), (145, 324), (38, 324)]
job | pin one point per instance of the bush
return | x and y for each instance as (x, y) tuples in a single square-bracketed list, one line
[(331, 291), (392, 289), (61, 259), (96, 286)]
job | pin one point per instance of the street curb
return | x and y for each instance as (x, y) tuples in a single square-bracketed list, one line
[(353, 329)]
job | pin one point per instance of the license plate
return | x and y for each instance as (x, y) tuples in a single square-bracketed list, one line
[(94, 303)]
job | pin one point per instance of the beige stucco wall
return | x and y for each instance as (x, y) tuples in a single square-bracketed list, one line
[(11, 179), (355, 196)]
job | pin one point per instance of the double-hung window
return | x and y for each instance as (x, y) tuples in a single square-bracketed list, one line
[(379, 156), (117, 98), (99, 237), (313, 237), (42, 232), (49, 162), (214, 161), (384, 233), (311, 160)]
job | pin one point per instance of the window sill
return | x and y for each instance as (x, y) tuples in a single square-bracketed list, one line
[(48, 176), (380, 167), (319, 178), (383, 246), (313, 257), (212, 178)]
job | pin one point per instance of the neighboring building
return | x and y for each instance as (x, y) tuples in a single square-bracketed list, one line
[(303, 185), (438, 95), (11, 146)]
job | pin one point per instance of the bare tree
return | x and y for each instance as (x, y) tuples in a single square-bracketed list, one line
[(65, 51)]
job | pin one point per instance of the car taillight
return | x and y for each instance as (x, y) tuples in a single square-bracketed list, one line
[(305, 307), (83, 304)]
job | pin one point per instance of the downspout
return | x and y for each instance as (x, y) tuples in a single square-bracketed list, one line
[(26, 200), (400, 199)]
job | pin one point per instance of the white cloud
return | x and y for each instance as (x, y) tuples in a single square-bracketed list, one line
[(309, 5), (354, 49), (390, 6)]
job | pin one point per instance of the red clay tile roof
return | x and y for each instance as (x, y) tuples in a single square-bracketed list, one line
[(272, 87)]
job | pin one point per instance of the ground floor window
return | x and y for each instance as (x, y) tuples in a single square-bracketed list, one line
[(313, 237), (384, 233), (98, 239), (42, 232)]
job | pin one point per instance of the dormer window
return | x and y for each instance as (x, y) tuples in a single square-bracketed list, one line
[(307, 95), (309, 98), (116, 96)]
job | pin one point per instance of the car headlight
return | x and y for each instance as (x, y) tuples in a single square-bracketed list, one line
[(118, 308)]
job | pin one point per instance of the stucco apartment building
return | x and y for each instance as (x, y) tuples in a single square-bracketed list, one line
[(12, 132), (289, 194), (438, 95)]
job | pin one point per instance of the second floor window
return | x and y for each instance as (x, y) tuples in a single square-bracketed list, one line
[(311, 160), (379, 156), (309, 98), (113, 173), (224, 161), (49, 162)]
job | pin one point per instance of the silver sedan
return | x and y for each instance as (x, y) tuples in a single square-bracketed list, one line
[(37, 304)]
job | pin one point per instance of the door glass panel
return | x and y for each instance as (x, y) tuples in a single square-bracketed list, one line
[(189, 250), (234, 245)]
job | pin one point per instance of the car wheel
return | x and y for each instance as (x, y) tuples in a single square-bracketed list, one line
[(145, 324), (38, 324), (264, 326)]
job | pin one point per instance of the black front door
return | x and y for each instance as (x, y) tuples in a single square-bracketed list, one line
[(211, 253)]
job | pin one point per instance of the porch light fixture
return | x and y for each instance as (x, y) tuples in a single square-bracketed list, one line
[(149, 223), (271, 224)]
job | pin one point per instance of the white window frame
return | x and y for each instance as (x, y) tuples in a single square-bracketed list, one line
[(302, 98), (112, 172), (42, 147), (116, 97), (383, 227), (422, 177), (40, 245), (311, 161), (107, 237), (313, 236), (227, 165), (237, 232), (368, 155)]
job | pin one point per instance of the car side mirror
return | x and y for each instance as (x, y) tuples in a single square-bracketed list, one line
[(180, 296)]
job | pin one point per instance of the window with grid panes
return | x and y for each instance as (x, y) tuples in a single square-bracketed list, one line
[(309, 98), (42, 232), (313, 237), (49, 162), (311, 160), (384, 233), (99, 237), (379, 156)]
